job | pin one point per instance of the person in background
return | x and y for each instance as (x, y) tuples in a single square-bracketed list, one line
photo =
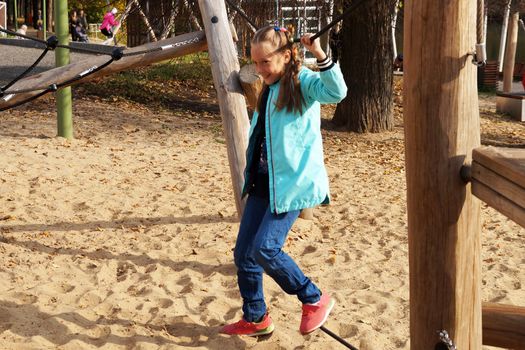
[(39, 21), (22, 30), (82, 20), (73, 21), (108, 23)]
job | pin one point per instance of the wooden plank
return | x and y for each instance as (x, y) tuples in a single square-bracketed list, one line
[(517, 95), (510, 51), (504, 326), (182, 45), (499, 184), (225, 71), (507, 162), (441, 129), (498, 202)]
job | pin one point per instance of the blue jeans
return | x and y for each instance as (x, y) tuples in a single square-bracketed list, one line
[(258, 248)]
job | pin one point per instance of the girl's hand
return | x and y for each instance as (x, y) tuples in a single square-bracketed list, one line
[(314, 47)]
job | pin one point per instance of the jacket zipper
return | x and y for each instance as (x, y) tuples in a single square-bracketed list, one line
[(268, 105)]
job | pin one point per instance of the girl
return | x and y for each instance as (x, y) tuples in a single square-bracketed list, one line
[(285, 173), (108, 23)]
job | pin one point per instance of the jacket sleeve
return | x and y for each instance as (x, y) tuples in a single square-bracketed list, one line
[(327, 86), (113, 21)]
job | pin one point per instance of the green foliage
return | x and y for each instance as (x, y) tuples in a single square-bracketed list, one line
[(95, 9), (159, 84)]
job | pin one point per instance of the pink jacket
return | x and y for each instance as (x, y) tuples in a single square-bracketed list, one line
[(108, 22)]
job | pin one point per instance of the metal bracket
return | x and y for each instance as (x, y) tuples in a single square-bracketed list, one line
[(445, 343)]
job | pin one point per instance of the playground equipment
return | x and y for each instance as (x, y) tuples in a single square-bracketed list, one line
[(3, 16), (442, 136), (441, 133)]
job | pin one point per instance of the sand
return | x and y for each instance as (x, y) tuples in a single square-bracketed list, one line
[(122, 238)]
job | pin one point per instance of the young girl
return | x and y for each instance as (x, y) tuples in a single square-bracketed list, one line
[(285, 173)]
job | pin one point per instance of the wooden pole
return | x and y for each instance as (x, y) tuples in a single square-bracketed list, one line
[(510, 52), (44, 21), (16, 15), (183, 45), (503, 37), (225, 71), (64, 100), (441, 129)]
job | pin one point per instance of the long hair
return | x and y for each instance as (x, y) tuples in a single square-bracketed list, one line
[(290, 96)]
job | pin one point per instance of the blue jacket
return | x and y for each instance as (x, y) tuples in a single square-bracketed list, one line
[(297, 174)]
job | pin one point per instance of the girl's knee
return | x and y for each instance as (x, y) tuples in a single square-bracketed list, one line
[(265, 257)]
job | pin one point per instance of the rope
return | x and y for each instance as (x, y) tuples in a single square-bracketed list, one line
[(480, 56), (479, 24), (48, 89), (51, 44), (338, 338)]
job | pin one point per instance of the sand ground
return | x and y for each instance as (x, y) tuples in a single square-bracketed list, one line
[(123, 237)]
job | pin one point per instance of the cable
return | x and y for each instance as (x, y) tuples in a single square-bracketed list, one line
[(50, 45), (338, 338), (50, 88), (116, 55)]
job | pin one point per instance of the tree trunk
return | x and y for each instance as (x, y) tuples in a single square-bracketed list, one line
[(367, 67)]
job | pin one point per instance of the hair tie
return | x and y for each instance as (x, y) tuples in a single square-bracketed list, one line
[(279, 29)]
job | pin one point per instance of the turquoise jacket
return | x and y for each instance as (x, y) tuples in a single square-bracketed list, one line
[(297, 174)]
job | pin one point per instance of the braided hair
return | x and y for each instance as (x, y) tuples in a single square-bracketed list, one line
[(290, 96)]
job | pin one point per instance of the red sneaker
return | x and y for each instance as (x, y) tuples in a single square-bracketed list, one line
[(315, 315), (251, 329)]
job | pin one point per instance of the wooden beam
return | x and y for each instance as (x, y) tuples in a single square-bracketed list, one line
[(183, 45), (504, 326), (225, 71), (507, 162), (498, 179), (441, 129)]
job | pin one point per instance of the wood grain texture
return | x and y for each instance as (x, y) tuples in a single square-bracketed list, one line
[(441, 129), (225, 70), (504, 326)]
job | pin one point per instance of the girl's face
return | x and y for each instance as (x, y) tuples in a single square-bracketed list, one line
[(269, 63)]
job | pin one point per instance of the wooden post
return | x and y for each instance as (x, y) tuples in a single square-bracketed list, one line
[(510, 52), (225, 71), (503, 38), (441, 129)]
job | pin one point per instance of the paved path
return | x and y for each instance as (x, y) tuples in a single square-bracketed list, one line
[(14, 60)]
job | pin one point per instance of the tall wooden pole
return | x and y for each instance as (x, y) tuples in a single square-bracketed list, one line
[(503, 38), (225, 70), (510, 52), (63, 96), (441, 129), (44, 19), (16, 15)]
